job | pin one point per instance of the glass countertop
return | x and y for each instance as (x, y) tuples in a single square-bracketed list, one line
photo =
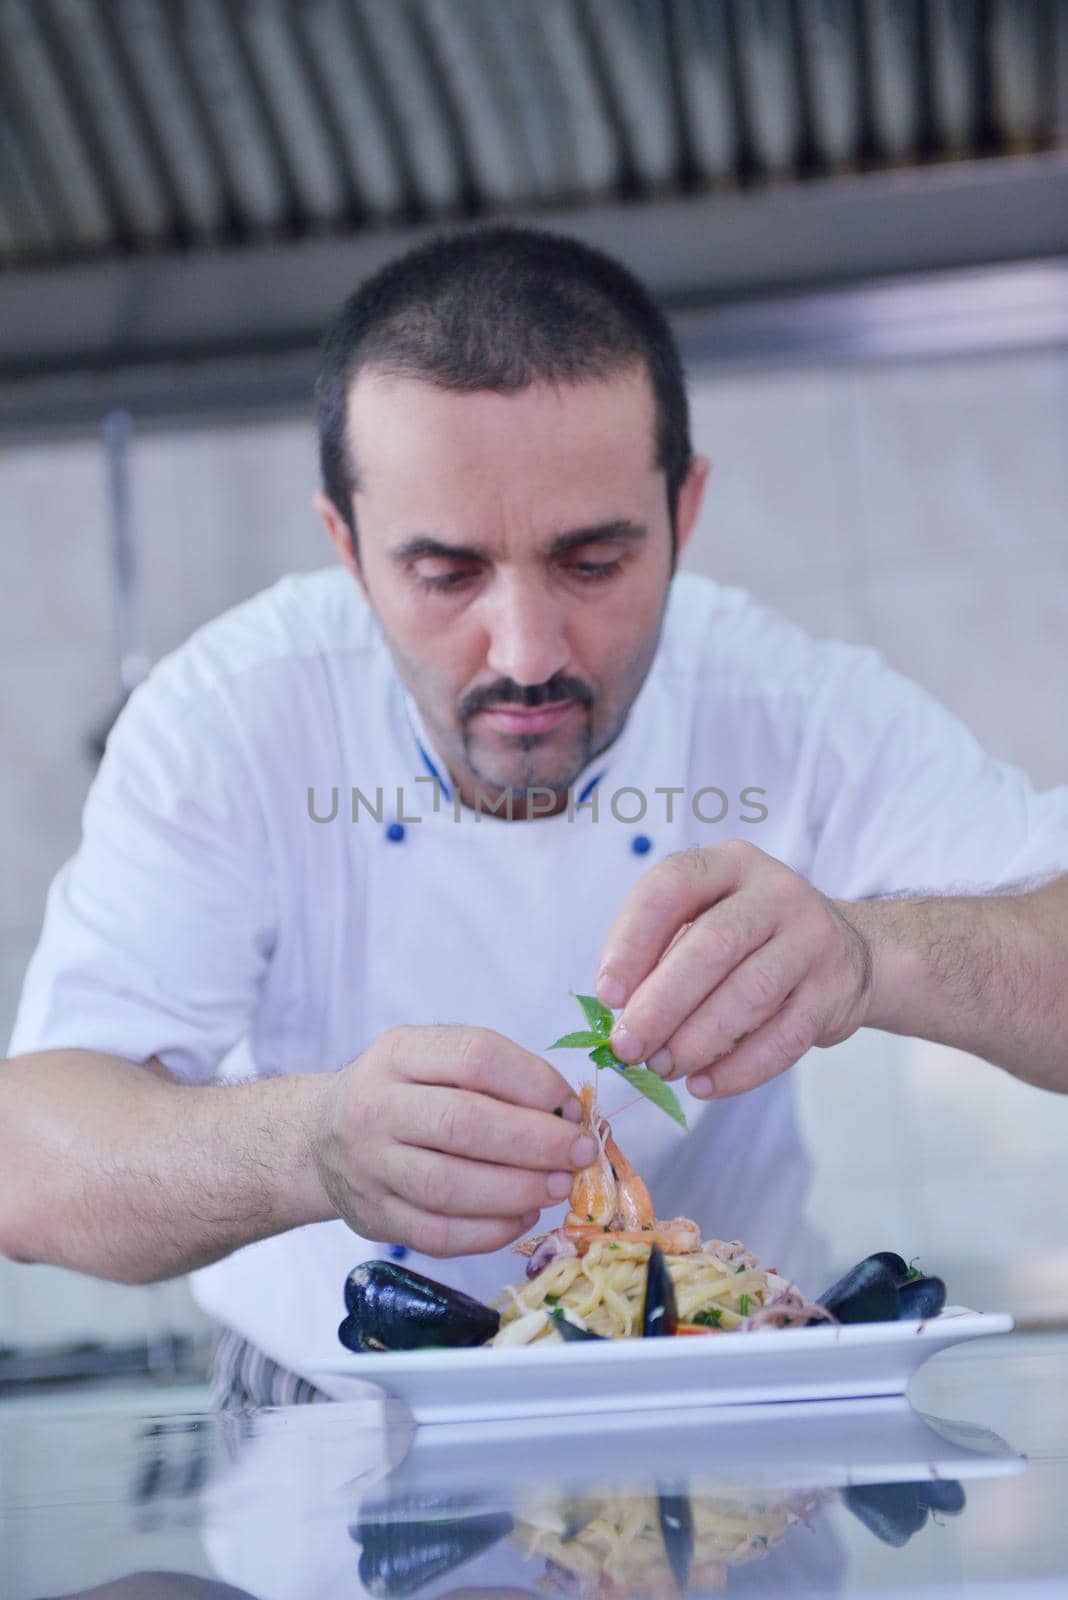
[(959, 1491)]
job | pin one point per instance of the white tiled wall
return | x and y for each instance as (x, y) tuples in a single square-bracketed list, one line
[(922, 508)]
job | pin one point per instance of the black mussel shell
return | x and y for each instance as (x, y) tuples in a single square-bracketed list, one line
[(568, 1330), (921, 1297), (393, 1308), (659, 1312), (676, 1527), (892, 1511), (867, 1293), (401, 1557), (349, 1334), (897, 1264), (942, 1494)]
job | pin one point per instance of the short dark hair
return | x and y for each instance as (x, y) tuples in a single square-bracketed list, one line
[(499, 308)]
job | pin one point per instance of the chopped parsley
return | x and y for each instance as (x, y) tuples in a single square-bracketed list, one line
[(552, 1299), (739, 1268), (745, 1305), (710, 1318)]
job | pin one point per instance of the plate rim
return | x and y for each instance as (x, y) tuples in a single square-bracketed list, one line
[(953, 1324)]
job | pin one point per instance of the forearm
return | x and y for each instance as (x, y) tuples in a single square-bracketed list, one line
[(987, 974), (117, 1170)]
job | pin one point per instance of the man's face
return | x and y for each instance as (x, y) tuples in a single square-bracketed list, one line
[(516, 550)]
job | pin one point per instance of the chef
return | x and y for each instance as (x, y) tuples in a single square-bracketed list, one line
[(351, 847)]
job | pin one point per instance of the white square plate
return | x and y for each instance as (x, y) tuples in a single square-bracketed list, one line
[(732, 1369)]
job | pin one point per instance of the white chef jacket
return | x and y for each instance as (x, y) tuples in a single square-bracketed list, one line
[(206, 915)]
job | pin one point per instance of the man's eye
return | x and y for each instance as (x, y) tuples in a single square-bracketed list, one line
[(443, 581), (455, 578), (591, 571)]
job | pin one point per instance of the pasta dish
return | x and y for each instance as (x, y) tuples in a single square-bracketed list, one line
[(594, 1273), (615, 1270)]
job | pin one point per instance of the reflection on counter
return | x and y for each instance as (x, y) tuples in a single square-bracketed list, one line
[(627, 1546), (636, 1546), (606, 1547), (347, 1500)]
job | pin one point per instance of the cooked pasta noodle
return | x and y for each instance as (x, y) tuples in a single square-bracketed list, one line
[(605, 1288)]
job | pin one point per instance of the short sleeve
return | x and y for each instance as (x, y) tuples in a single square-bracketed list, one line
[(157, 932), (905, 799)]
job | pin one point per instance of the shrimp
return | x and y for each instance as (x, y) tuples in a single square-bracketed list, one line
[(608, 1196), (679, 1237), (608, 1191), (634, 1202), (593, 1192)]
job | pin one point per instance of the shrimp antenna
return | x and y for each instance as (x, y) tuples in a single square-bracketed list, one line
[(625, 1107)]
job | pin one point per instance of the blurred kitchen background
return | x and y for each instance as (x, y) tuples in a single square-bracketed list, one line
[(857, 213)]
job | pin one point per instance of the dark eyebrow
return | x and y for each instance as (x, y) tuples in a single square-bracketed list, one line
[(621, 529)]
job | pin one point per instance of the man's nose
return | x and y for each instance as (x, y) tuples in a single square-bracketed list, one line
[(527, 640)]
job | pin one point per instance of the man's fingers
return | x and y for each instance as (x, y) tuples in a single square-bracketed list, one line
[(675, 891), (462, 1123), (436, 1235), (776, 1045), (455, 1186), (479, 1059), (714, 944), (754, 991)]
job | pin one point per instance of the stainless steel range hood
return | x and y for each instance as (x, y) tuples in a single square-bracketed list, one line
[(187, 187)]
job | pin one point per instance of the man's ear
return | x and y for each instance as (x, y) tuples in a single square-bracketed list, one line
[(691, 494), (340, 536)]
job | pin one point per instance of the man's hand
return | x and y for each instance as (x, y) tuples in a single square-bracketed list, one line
[(724, 955), (445, 1139)]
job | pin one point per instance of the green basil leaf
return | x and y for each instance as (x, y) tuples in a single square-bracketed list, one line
[(598, 1016), (569, 1041), (655, 1089), (601, 1054)]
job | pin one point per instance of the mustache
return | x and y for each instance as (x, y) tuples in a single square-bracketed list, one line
[(508, 693)]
